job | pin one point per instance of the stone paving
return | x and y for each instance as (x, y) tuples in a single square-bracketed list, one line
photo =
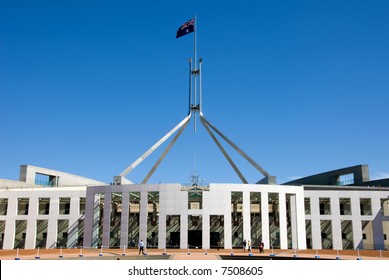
[(178, 254)]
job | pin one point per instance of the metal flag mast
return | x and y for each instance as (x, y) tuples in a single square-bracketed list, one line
[(194, 107), (194, 73)]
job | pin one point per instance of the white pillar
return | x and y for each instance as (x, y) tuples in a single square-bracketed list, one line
[(143, 216), (124, 219), (107, 219), (246, 216), (9, 232), (73, 222), (300, 219), (228, 227), (89, 217), (337, 243), (357, 222), (283, 221), (293, 221), (162, 231), (265, 218), (95, 233), (162, 217), (31, 223), (315, 223), (184, 231), (52, 226), (378, 230)]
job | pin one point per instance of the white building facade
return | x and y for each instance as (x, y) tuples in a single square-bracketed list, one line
[(347, 217), (41, 217), (177, 216), (172, 215)]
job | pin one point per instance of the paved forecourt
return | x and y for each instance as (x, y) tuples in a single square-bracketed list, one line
[(194, 254)]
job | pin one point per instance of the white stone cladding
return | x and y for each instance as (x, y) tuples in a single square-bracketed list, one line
[(173, 200), (33, 194), (368, 230)]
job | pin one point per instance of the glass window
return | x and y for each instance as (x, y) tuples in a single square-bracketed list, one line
[(44, 206), (307, 205), (82, 205), (116, 214), (23, 204), (62, 233), (3, 206), (325, 206), (365, 204), (195, 200), (41, 233), (64, 205), (345, 206)]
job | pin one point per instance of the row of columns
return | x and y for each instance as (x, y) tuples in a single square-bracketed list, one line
[(32, 218), (297, 220), (356, 218)]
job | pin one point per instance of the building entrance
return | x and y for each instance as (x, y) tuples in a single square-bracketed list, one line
[(174, 241), (195, 238), (215, 239), (195, 232)]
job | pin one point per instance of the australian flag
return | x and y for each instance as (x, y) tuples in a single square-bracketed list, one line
[(186, 28)]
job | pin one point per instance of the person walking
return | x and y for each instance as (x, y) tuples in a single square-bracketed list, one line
[(141, 247), (249, 246), (261, 247)]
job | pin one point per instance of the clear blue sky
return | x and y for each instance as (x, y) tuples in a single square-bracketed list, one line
[(86, 87)]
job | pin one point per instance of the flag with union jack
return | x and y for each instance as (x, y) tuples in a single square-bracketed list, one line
[(186, 28)]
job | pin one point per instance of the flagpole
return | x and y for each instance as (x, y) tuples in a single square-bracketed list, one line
[(190, 85), (195, 40), (200, 89), (195, 68)]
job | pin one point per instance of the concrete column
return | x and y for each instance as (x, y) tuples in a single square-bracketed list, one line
[(52, 226), (293, 221), (9, 232), (107, 219), (162, 231), (315, 223), (336, 224), (162, 217), (88, 222), (73, 222), (143, 216), (265, 218), (31, 223), (95, 233), (72, 233), (300, 219), (184, 231), (124, 219), (283, 220), (378, 230), (357, 222), (246, 216), (228, 227)]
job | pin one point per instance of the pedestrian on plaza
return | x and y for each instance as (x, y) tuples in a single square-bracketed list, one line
[(141, 247), (261, 247)]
